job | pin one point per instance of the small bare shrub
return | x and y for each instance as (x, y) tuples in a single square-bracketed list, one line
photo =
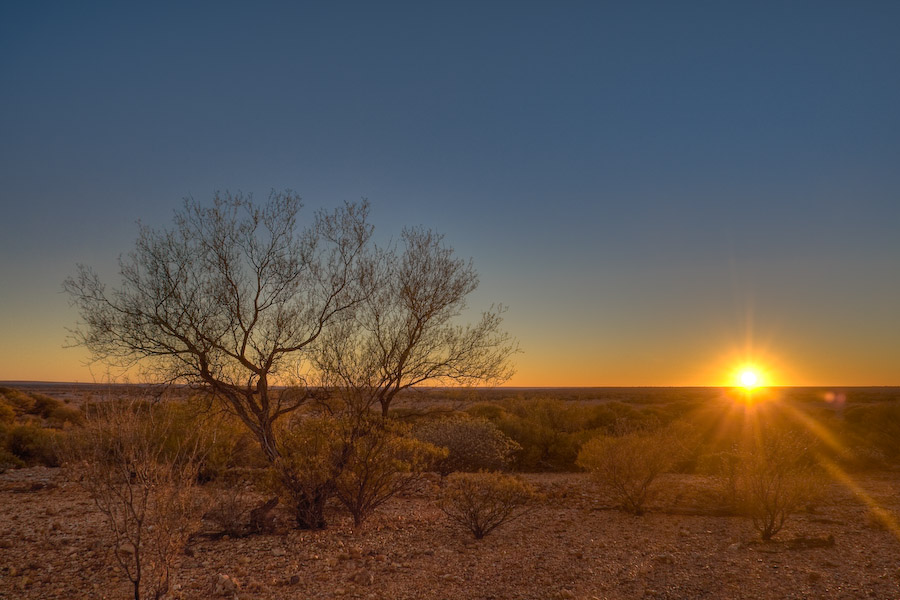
[(231, 504), (481, 502), (473, 444), (774, 477), (143, 483), (629, 465)]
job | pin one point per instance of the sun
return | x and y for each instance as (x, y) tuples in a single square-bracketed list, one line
[(749, 379)]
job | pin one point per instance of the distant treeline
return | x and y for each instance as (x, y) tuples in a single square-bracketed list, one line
[(858, 427)]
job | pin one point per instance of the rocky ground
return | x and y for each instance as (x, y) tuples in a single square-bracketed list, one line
[(572, 545)]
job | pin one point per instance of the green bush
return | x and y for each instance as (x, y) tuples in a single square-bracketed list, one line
[(227, 445), (551, 431)]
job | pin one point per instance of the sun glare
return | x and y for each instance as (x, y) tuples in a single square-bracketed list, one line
[(749, 379)]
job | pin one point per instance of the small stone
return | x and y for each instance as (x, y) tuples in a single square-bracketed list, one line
[(363, 577), (225, 585), (294, 580), (278, 552)]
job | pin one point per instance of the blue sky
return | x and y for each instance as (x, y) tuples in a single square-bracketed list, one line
[(656, 190)]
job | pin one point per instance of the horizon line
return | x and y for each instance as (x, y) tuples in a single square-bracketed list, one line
[(499, 387)]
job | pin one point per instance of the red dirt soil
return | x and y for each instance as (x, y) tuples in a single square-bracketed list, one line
[(571, 546)]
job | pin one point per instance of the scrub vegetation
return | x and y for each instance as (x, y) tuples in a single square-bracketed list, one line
[(193, 476)]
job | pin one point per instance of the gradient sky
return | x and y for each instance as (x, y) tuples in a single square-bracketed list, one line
[(657, 190)]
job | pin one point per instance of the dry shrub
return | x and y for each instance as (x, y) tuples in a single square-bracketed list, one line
[(629, 465), (772, 478), (230, 510), (481, 502), (361, 461), (142, 480), (382, 461), (309, 463), (29, 428), (34, 445), (7, 412), (18, 400), (8, 460), (473, 444), (229, 449), (43, 405)]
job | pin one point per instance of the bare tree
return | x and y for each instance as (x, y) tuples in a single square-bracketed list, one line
[(405, 333), (232, 297), (239, 299)]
